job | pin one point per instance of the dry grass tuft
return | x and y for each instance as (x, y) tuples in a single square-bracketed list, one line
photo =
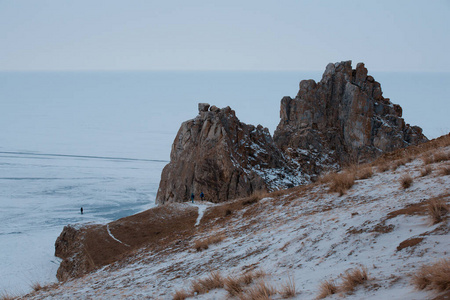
[(426, 171), (435, 276), (36, 286), (383, 167), (254, 197), (197, 288), (428, 159), (406, 181), (327, 288), (247, 278), (288, 289), (213, 281), (437, 156), (353, 278), (364, 173), (6, 296), (181, 295), (261, 291), (437, 209), (398, 163), (203, 244), (340, 182), (444, 171), (441, 156), (233, 286)]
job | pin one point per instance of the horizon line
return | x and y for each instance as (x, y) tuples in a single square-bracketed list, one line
[(196, 70)]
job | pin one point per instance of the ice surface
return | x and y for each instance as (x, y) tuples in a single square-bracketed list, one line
[(40, 194)]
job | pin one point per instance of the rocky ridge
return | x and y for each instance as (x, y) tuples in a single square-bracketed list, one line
[(342, 119)]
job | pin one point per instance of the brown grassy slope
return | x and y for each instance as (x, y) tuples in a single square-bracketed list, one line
[(93, 247)]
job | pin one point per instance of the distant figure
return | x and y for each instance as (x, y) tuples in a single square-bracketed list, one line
[(202, 196), (81, 210), (192, 197)]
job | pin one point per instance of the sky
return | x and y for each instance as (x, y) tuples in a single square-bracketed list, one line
[(100, 35)]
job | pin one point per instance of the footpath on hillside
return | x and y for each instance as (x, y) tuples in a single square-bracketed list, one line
[(202, 206)]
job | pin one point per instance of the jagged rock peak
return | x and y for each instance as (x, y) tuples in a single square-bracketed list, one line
[(218, 155), (341, 119)]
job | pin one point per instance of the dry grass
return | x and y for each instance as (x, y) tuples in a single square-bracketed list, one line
[(339, 182), (327, 288), (181, 295), (437, 209), (441, 156), (383, 167), (398, 163), (233, 286), (247, 278), (203, 244), (197, 288), (353, 278), (435, 276), (437, 156), (260, 291), (426, 171), (406, 181), (444, 171), (254, 197), (213, 281), (288, 289), (5, 296), (36, 286), (428, 159), (364, 173)]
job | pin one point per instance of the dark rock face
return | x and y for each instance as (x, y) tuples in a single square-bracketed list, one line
[(342, 119), (224, 158), (68, 247)]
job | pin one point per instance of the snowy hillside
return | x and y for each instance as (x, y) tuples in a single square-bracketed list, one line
[(307, 237)]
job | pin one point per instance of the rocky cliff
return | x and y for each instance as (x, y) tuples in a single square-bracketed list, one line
[(342, 119), (224, 158)]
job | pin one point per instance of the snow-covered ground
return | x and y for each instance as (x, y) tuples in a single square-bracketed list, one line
[(308, 235)]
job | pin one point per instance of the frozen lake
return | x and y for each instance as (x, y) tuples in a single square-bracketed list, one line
[(40, 193), (100, 140)]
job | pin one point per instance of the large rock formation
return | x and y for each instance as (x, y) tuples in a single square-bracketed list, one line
[(342, 119), (224, 158)]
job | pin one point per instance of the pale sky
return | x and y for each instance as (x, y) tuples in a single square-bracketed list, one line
[(223, 35)]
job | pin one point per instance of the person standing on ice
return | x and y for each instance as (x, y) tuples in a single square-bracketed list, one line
[(192, 197), (202, 196)]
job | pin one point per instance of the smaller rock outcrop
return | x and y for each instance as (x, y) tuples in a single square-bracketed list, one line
[(224, 158), (84, 248)]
